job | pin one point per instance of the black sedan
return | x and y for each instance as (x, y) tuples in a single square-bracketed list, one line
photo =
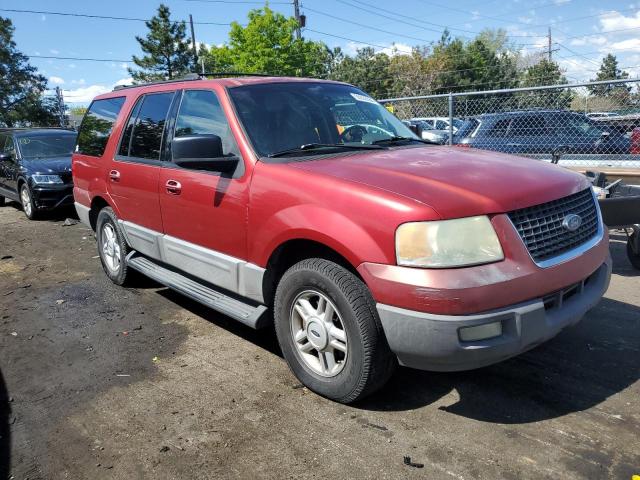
[(35, 168)]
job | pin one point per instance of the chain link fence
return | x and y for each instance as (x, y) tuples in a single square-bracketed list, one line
[(590, 125)]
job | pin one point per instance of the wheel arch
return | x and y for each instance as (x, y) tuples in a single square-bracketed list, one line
[(292, 251)]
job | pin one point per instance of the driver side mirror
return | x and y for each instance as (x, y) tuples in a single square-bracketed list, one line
[(6, 157), (202, 152)]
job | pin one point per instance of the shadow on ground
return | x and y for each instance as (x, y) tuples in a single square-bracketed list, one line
[(57, 215), (577, 370), (5, 433), (580, 368)]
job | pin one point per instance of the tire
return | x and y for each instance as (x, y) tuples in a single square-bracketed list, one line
[(112, 247), (26, 200), (2, 201), (348, 375), (634, 258)]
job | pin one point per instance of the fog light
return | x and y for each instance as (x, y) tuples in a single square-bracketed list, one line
[(480, 332)]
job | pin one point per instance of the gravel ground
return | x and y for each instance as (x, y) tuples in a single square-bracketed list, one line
[(97, 381)]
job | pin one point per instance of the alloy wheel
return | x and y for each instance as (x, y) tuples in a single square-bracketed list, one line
[(110, 247), (318, 333)]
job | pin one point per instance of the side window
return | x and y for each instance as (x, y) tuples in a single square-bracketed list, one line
[(201, 114), (97, 125), (146, 138), (528, 126), (500, 128), (441, 125), (7, 145)]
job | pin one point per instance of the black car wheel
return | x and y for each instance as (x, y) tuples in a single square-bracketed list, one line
[(634, 257), (28, 205), (2, 201), (329, 331)]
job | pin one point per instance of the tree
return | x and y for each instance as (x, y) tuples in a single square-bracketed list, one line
[(268, 45), (545, 72), (609, 71), (367, 70), (21, 86), (168, 53)]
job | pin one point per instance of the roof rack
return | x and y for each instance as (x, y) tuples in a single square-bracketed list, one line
[(195, 76)]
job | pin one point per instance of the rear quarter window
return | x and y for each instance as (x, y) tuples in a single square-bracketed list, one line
[(97, 126)]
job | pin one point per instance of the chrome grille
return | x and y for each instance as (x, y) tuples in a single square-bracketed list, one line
[(540, 226)]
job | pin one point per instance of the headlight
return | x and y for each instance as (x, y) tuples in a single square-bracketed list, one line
[(50, 179), (447, 243)]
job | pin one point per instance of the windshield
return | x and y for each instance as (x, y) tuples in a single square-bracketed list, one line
[(282, 116), (581, 125), (46, 146)]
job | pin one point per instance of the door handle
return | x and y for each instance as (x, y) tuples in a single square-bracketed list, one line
[(114, 175), (173, 187)]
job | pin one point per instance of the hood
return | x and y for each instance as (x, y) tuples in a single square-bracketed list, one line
[(454, 182), (49, 165)]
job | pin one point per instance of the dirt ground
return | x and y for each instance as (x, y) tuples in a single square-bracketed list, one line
[(97, 381)]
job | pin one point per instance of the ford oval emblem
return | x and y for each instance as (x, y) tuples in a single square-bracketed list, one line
[(572, 222)]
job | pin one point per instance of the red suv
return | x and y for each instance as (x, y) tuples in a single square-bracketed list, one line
[(305, 205)]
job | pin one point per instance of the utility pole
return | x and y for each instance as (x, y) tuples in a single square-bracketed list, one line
[(193, 41), (549, 49), (296, 12), (61, 107)]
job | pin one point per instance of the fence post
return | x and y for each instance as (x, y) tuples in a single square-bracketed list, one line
[(450, 118)]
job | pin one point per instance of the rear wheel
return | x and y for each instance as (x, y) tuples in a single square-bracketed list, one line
[(26, 199), (329, 331), (634, 257), (112, 247)]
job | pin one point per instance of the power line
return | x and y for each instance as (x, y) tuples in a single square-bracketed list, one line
[(81, 59), (101, 17), (350, 21), (351, 39)]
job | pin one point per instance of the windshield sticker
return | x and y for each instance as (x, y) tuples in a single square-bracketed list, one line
[(363, 98), (25, 141)]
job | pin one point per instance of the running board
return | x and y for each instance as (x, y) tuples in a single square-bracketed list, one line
[(252, 316)]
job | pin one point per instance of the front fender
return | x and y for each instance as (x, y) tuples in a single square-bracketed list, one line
[(322, 225)]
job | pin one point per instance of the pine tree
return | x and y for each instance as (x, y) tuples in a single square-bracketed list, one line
[(21, 86), (609, 71), (168, 53)]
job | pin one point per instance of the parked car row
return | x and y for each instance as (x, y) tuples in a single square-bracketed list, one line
[(544, 132), (305, 206)]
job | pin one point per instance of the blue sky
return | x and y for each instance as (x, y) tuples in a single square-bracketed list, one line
[(584, 30)]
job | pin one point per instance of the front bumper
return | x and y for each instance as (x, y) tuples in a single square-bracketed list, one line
[(432, 342), (52, 196)]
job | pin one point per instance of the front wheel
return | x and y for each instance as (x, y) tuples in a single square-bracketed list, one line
[(28, 205), (634, 257), (329, 331)]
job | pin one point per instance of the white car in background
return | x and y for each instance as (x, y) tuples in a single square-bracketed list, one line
[(440, 123)]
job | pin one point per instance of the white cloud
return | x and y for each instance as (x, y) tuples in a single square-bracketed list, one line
[(629, 44), (54, 51), (56, 80), (78, 82), (124, 81), (597, 40), (84, 94), (391, 49), (43, 18), (561, 2), (72, 65), (616, 21)]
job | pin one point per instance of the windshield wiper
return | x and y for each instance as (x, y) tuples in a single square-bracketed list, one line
[(322, 146), (398, 139)]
